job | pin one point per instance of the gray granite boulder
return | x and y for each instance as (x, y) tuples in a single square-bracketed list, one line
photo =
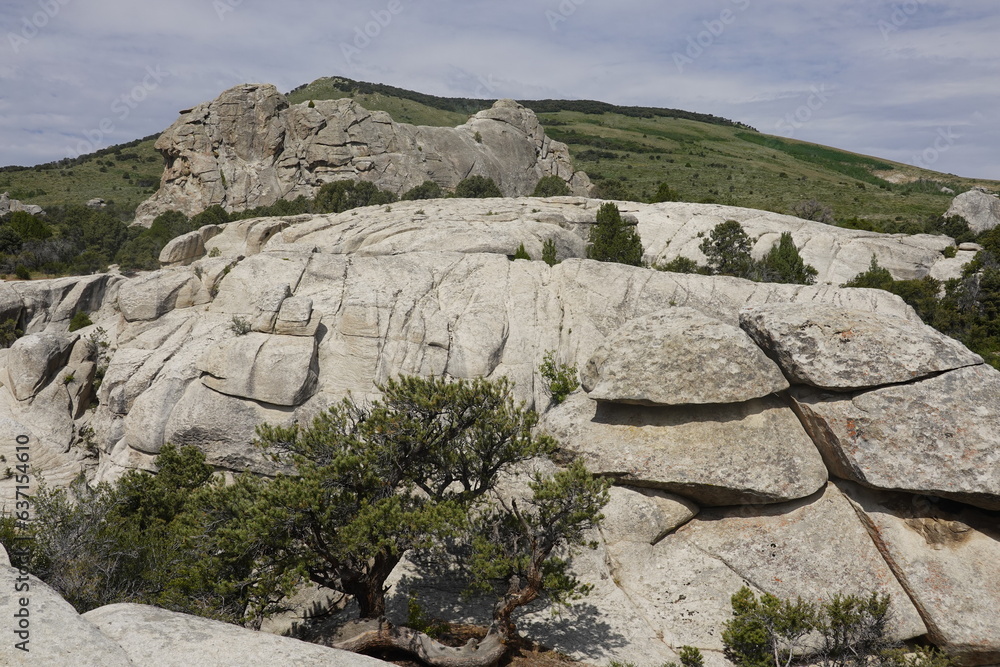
[(836, 348), (939, 436), (666, 358), (753, 452)]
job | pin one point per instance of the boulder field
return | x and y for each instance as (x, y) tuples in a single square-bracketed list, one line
[(801, 440)]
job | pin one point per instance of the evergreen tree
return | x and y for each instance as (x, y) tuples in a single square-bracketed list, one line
[(783, 264), (611, 240), (727, 248), (549, 252), (477, 187), (551, 186), (876, 277)]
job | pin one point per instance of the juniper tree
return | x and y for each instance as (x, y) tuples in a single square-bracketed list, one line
[(611, 240)]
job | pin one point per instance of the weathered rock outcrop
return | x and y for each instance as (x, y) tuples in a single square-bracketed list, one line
[(834, 348), (663, 359), (719, 482), (250, 148), (937, 436), (153, 637), (8, 205), (979, 208), (944, 555)]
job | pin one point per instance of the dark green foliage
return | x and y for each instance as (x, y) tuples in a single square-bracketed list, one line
[(79, 321), (876, 277), (477, 187), (549, 252), (664, 193), (681, 264), (28, 227), (560, 378), (143, 251), (9, 332), (521, 253), (611, 240), (373, 482), (551, 186), (341, 196), (691, 657), (139, 540), (783, 264), (847, 631), (513, 544), (22, 272), (426, 190), (727, 248), (213, 215)]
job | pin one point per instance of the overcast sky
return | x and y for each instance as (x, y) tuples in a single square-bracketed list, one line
[(917, 81)]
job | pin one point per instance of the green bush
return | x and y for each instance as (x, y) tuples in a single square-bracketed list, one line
[(664, 193), (9, 332), (549, 252), (426, 190), (341, 196), (560, 378), (521, 253), (783, 264), (611, 240), (477, 187), (551, 186), (79, 321), (22, 272), (727, 248), (681, 264), (876, 277)]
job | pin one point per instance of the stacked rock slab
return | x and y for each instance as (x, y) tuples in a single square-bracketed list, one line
[(893, 407)]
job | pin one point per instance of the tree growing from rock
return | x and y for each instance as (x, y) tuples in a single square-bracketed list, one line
[(783, 264), (727, 248), (612, 240)]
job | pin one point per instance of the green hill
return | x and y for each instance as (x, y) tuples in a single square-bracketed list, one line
[(627, 151)]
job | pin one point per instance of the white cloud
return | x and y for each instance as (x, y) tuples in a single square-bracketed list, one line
[(759, 60)]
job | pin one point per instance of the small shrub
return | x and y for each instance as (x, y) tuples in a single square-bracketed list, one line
[(240, 325), (950, 252), (680, 264), (521, 253), (426, 190), (551, 186), (664, 193), (561, 378), (549, 252), (22, 272), (477, 187), (479, 138), (876, 277), (9, 332), (69, 378), (215, 252), (80, 321)]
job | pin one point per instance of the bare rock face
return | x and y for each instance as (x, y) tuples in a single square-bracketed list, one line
[(939, 436), (663, 359), (33, 360), (249, 148), (281, 370), (979, 208), (945, 556), (56, 635), (840, 349), (153, 637), (8, 205), (753, 452)]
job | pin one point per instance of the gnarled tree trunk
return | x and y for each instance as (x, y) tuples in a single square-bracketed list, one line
[(482, 653)]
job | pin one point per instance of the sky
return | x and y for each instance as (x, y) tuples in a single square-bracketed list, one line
[(916, 81)]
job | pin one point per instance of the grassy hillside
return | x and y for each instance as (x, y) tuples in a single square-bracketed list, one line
[(126, 175), (628, 152)]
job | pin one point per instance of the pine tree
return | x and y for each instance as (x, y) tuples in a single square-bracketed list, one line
[(611, 240), (783, 264)]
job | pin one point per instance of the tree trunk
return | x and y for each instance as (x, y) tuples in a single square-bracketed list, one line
[(484, 653)]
